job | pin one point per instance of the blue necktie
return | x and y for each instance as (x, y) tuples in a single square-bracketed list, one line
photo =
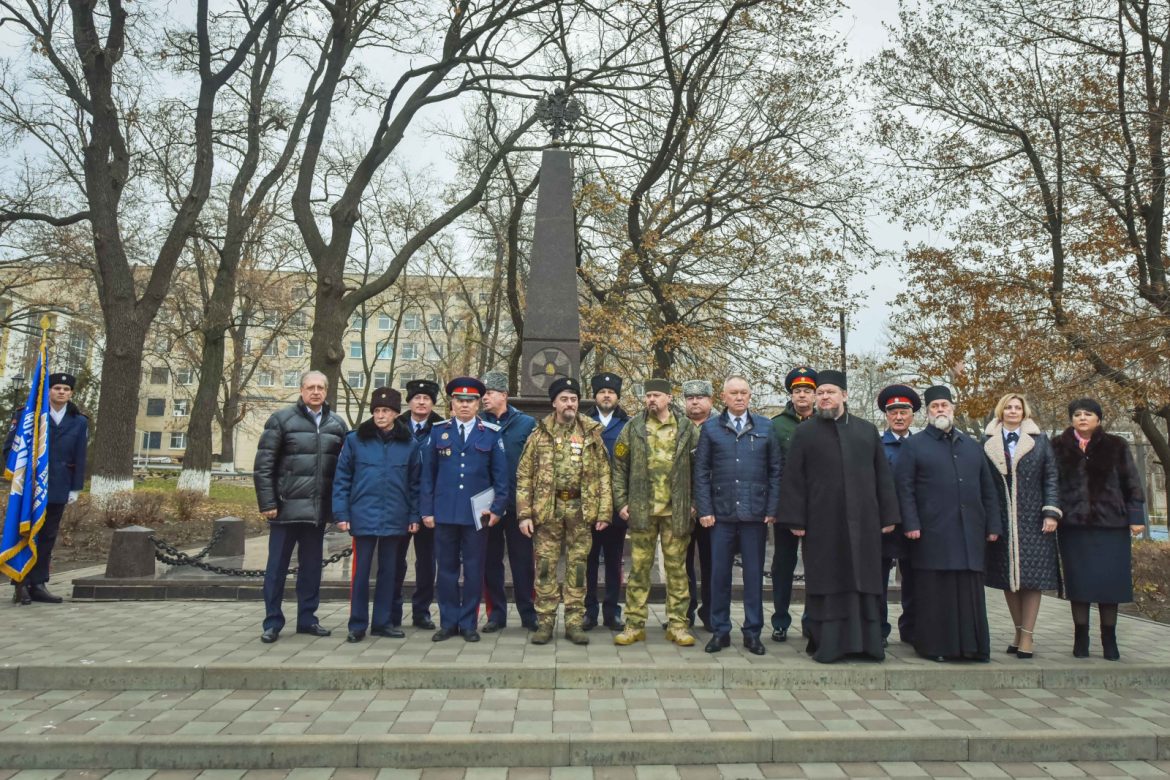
[(738, 425)]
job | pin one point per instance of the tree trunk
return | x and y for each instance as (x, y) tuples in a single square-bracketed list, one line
[(330, 319), (196, 473), (112, 468), (227, 436)]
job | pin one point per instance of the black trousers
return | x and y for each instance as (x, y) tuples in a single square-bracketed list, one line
[(503, 537), (424, 576), (308, 539), (46, 539), (608, 544), (699, 575)]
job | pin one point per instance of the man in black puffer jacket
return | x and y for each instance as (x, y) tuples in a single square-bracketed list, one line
[(295, 461)]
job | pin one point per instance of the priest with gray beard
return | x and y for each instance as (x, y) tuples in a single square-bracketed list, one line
[(838, 495), (950, 511)]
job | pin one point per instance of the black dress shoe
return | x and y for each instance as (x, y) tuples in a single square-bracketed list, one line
[(615, 624), (753, 645), (314, 630), (531, 625), (470, 635), (589, 623), (20, 594), (269, 636), (355, 636), (444, 634), (40, 593), (780, 635), (717, 643), (394, 632), (424, 622), (492, 627)]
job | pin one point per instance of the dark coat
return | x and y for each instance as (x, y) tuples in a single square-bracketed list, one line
[(946, 490), (784, 425), (838, 487), (737, 478), (631, 474), (453, 471), (426, 429), (1099, 487), (375, 488), (893, 545), (67, 443), (514, 428), (1028, 492), (611, 432), (295, 463)]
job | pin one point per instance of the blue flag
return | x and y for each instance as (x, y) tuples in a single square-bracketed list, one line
[(28, 469)]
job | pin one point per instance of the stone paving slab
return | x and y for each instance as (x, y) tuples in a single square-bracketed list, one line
[(471, 727), (186, 645), (737, 771)]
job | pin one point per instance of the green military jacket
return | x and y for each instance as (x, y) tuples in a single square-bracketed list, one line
[(784, 425), (631, 473), (535, 475)]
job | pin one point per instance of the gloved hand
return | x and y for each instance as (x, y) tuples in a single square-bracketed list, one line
[(73, 494)]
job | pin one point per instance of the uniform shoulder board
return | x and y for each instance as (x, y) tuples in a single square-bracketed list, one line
[(491, 426)]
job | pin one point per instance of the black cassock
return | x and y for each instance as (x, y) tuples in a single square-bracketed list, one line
[(838, 487)]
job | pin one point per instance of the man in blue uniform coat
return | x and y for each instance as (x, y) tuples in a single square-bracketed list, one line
[(421, 395), (609, 543), (899, 403), (462, 459), (68, 435), (514, 428)]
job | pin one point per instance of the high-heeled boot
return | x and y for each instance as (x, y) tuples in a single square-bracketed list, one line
[(1109, 643), (1080, 641)]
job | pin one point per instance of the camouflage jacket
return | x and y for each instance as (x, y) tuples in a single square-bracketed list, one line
[(535, 489), (631, 478)]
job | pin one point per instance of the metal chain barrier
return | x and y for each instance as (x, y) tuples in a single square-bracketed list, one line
[(170, 555)]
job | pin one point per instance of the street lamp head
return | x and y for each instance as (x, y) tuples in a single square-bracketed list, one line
[(558, 113)]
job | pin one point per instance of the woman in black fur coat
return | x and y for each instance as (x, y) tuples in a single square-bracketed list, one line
[(1103, 503)]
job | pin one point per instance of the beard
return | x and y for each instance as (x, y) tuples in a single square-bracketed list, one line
[(831, 413), (942, 422), (606, 406)]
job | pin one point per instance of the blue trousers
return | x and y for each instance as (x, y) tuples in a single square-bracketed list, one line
[(364, 550), (609, 544), (752, 539), (505, 535), (783, 569), (460, 549), (699, 575), (308, 541), (424, 576)]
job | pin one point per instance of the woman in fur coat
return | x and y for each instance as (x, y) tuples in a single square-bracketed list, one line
[(1103, 502), (1022, 562)]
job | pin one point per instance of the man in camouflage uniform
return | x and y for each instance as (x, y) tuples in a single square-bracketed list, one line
[(652, 488), (562, 494)]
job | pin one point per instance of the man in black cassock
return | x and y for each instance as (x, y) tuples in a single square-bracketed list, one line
[(838, 494)]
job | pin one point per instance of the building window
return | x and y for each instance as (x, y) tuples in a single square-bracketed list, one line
[(299, 319), (386, 351), (356, 379), (385, 322), (292, 378), (410, 351), (296, 348), (484, 297), (185, 376), (356, 322), (178, 440), (265, 378), (160, 375), (355, 349), (435, 352), (270, 348), (435, 322), (181, 407), (156, 407), (152, 440), (412, 322), (381, 379)]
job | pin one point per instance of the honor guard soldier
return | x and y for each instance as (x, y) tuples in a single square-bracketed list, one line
[(68, 435), (463, 460), (899, 403), (421, 395)]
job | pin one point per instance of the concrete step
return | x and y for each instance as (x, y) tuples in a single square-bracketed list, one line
[(460, 728)]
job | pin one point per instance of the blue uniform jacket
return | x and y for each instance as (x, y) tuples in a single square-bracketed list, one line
[(375, 487), (893, 544), (453, 472), (67, 443), (893, 446), (737, 478), (514, 428), (611, 432)]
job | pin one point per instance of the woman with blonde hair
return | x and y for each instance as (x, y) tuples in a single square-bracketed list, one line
[(1023, 561)]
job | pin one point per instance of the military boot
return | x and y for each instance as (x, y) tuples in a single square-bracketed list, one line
[(630, 635), (542, 635), (680, 636), (576, 635)]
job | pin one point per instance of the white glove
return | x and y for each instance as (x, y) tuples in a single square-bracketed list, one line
[(73, 494)]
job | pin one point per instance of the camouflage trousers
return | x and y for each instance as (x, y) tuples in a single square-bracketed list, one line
[(674, 561), (565, 532)]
